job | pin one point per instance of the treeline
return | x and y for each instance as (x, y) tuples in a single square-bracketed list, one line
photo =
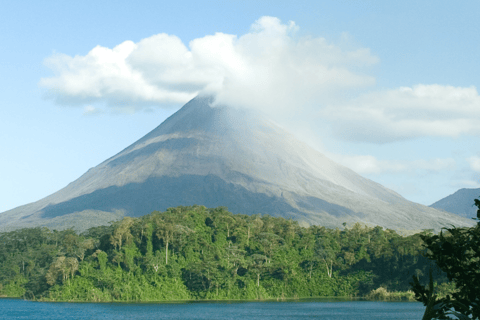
[(199, 253)]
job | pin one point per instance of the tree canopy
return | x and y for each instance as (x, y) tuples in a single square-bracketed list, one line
[(199, 253)]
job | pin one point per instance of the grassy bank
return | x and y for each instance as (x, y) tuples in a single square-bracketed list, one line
[(382, 294)]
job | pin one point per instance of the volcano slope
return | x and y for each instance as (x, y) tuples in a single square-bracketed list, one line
[(460, 203), (223, 156)]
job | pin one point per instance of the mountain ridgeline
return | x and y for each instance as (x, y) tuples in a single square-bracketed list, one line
[(460, 203), (224, 156)]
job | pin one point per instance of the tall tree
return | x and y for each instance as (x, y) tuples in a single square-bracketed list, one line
[(165, 231), (122, 232)]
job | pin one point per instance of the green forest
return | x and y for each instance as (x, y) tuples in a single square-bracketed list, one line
[(190, 253)]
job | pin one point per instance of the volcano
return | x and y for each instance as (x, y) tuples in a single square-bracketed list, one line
[(223, 156)]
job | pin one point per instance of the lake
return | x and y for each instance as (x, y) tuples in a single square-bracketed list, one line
[(327, 309)]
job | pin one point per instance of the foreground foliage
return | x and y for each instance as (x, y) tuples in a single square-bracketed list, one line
[(457, 252), (199, 253)]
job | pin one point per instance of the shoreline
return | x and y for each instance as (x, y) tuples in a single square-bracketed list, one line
[(306, 299), (207, 300)]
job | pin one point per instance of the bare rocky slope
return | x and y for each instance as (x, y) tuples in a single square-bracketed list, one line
[(222, 156)]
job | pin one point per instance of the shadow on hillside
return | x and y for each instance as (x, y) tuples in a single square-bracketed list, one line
[(138, 199)]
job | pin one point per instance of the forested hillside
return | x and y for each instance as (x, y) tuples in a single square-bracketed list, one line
[(199, 253)]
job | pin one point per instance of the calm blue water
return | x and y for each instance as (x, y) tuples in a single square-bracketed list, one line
[(322, 309)]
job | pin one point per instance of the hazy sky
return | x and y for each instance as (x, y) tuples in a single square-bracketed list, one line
[(389, 89)]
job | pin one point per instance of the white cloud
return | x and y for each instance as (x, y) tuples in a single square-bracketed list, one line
[(268, 68), (104, 75), (367, 164), (404, 113), (474, 163), (91, 110)]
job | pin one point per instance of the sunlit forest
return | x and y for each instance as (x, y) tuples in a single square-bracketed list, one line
[(189, 253)]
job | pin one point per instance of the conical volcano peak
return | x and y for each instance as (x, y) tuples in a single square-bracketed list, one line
[(200, 115), (224, 156), (199, 122)]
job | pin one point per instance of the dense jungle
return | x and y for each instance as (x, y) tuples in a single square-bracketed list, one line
[(191, 253)]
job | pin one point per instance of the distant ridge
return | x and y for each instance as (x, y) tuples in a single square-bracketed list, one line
[(223, 156), (460, 203)]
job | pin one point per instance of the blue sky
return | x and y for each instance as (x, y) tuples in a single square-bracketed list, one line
[(389, 89)]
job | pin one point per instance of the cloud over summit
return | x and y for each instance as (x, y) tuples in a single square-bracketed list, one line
[(270, 67)]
